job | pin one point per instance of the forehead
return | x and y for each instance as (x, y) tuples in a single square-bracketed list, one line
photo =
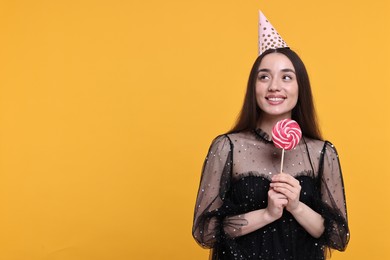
[(276, 61)]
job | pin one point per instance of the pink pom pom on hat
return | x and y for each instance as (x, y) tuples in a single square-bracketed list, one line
[(269, 38)]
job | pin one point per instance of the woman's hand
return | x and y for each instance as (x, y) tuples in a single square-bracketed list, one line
[(288, 186), (276, 203)]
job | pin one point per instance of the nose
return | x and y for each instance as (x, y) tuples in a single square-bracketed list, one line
[(274, 86)]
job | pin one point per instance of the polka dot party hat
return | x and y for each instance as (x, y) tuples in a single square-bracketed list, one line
[(269, 38)]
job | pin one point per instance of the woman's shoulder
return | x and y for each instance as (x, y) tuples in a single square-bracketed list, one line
[(321, 145), (221, 142), (232, 137), (240, 136)]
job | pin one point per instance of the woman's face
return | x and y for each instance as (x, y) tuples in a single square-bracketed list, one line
[(276, 86)]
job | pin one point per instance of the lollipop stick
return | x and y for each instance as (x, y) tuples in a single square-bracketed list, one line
[(281, 163)]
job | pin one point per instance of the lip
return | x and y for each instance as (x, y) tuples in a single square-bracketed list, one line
[(275, 99)]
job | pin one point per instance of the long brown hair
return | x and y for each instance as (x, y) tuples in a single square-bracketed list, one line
[(304, 111)]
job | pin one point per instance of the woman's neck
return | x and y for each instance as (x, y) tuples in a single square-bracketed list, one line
[(267, 123)]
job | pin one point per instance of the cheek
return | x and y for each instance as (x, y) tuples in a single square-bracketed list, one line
[(294, 91), (259, 93), (260, 89), (295, 95)]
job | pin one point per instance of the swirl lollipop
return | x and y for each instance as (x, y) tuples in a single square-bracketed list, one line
[(286, 135)]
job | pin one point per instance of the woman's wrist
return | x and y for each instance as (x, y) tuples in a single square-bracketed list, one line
[(268, 217), (297, 210)]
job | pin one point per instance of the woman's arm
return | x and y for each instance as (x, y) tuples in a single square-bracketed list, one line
[(243, 224), (333, 208), (214, 183), (310, 220)]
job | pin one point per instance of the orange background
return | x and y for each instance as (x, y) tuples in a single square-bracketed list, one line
[(107, 109)]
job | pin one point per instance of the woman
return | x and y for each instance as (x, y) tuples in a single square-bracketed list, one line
[(246, 208)]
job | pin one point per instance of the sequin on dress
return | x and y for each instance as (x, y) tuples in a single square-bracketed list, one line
[(235, 180)]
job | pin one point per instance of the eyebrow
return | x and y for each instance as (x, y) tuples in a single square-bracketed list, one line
[(283, 70)]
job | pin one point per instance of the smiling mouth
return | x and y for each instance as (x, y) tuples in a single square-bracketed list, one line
[(275, 99)]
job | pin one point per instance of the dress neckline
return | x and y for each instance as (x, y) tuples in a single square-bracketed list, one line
[(262, 135)]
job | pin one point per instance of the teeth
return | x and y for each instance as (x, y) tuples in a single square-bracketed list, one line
[(275, 99)]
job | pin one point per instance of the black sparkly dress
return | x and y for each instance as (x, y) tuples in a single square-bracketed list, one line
[(235, 180)]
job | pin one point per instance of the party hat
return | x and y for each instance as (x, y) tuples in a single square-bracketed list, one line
[(269, 38)]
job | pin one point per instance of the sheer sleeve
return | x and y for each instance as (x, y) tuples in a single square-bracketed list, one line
[(214, 184), (334, 211)]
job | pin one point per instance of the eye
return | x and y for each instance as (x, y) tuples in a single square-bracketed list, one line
[(263, 77), (287, 77)]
